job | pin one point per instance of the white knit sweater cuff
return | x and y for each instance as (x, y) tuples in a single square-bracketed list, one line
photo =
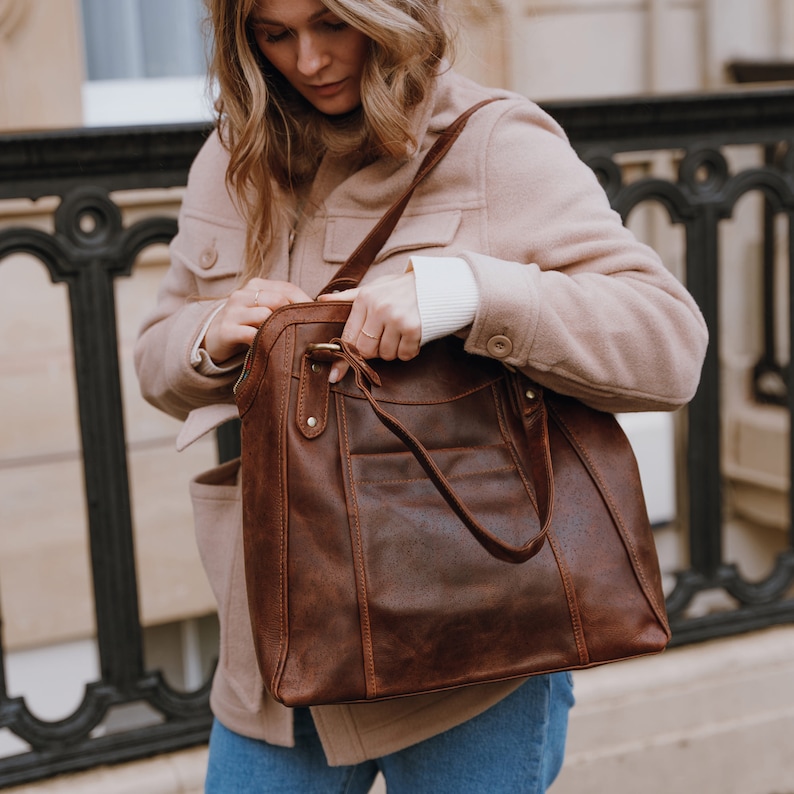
[(446, 292), (200, 358)]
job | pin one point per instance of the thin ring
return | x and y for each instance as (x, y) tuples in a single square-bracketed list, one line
[(376, 338), (256, 298)]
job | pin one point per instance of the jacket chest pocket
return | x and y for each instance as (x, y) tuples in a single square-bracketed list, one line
[(428, 232), (213, 253)]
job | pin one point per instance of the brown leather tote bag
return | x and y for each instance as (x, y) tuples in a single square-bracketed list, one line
[(430, 524)]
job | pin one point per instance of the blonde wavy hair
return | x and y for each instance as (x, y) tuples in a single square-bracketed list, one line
[(276, 139)]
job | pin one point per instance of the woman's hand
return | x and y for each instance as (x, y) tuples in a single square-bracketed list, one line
[(234, 327), (384, 320)]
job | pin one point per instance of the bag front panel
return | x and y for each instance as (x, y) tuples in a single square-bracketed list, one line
[(440, 607), (443, 611)]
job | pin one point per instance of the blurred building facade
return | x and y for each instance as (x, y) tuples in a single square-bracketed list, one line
[(692, 720)]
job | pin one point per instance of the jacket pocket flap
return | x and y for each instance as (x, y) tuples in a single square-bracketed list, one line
[(207, 249), (413, 232)]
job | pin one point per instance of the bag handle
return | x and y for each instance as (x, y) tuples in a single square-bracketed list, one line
[(535, 421), (352, 271)]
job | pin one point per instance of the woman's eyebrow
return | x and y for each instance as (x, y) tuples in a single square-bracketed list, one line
[(313, 18)]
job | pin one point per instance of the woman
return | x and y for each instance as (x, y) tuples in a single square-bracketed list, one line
[(326, 108)]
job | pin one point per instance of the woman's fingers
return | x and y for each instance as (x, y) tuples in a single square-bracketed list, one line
[(261, 292), (234, 327), (384, 320)]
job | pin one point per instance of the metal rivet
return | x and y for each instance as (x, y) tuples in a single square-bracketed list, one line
[(531, 395), (316, 368), (312, 421)]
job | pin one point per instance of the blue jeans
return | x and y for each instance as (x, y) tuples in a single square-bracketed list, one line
[(515, 747)]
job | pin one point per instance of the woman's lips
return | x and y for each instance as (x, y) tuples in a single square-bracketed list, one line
[(327, 89)]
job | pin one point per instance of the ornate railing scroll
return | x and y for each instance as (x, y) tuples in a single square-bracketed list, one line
[(88, 251), (771, 376), (90, 248)]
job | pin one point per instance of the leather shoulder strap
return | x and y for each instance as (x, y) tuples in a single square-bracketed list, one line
[(352, 271)]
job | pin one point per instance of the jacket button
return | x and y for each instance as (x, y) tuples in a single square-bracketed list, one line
[(208, 257), (499, 346)]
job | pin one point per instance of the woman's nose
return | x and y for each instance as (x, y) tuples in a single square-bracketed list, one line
[(312, 57)]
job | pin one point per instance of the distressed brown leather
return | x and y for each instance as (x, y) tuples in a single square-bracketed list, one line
[(430, 524), (364, 584)]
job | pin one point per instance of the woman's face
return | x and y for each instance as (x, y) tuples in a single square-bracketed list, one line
[(318, 54)]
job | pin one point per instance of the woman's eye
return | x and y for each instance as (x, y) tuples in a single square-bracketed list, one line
[(335, 27), (272, 37)]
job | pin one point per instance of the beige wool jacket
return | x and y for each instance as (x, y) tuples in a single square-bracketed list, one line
[(566, 293)]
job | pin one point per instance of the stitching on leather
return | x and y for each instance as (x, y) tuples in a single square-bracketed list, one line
[(511, 449), (407, 452), (302, 393), (366, 629), (439, 401), (427, 479), (570, 597), (618, 517), (283, 647)]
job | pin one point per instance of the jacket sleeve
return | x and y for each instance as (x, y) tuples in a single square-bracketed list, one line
[(568, 294), (206, 258)]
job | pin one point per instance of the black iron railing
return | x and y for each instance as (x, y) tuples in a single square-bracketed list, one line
[(90, 248)]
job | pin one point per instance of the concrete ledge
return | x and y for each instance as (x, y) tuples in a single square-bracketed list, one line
[(179, 773), (714, 718)]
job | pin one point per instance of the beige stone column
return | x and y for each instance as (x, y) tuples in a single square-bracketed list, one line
[(41, 64), (785, 29), (483, 45)]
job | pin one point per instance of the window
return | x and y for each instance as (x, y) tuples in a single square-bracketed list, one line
[(145, 62)]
